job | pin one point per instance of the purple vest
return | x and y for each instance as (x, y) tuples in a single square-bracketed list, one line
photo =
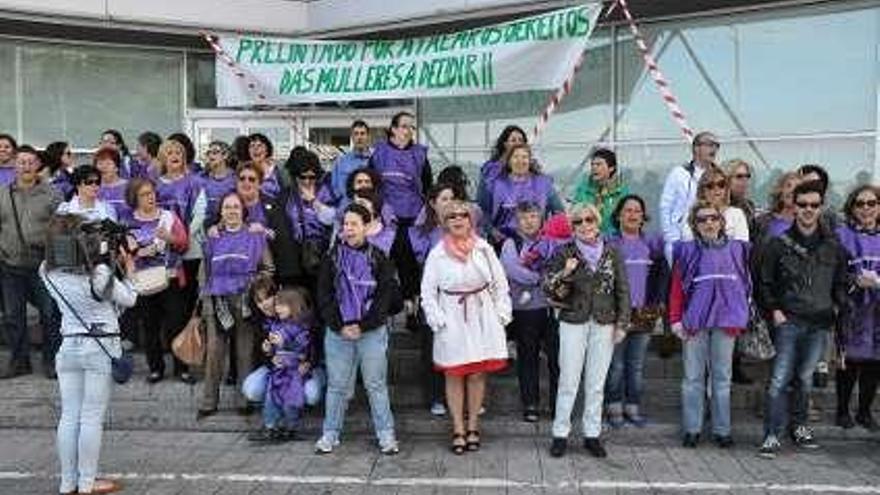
[(271, 185), (285, 385), (304, 221), (215, 190), (507, 193), (862, 338), (114, 195), (256, 213), (232, 261), (7, 175), (62, 183), (384, 239), (777, 226), (490, 171), (716, 284), (421, 239), (639, 256), (179, 196), (144, 233), (401, 171), (355, 283)]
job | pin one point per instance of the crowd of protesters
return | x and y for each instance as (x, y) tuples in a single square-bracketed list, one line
[(298, 271)]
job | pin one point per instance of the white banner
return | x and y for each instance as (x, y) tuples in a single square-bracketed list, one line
[(536, 52)]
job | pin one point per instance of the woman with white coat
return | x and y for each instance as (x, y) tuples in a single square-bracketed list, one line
[(466, 302)]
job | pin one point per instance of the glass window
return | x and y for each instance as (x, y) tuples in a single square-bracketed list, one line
[(776, 72), (8, 123), (73, 93), (200, 74)]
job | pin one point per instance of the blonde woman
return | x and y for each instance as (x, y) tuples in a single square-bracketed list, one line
[(467, 304), (586, 280), (714, 187)]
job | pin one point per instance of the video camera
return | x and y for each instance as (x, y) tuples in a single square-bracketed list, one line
[(93, 243)]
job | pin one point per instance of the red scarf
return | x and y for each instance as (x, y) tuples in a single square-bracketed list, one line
[(459, 249)]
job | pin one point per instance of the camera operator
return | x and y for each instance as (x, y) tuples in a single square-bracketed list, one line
[(81, 274)]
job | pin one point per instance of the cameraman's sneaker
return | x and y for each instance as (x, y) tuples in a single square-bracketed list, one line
[(770, 448), (325, 444), (803, 438), (389, 446), (438, 409)]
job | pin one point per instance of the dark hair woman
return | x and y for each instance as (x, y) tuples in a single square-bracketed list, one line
[(260, 151), (107, 161), (58, 161), (7, 159), (111, 138), (87, 202), (647, 276), (511, 136), (310, 218), (355, 291), (602, 186), (860, 340)]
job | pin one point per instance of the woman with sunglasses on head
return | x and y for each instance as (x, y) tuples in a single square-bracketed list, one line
[(708, 308), (467, 304), (860, 336), (586, 280), (714, 187), (86, 201)]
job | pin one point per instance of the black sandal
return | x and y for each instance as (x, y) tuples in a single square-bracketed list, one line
[(458, 448), (473, 445)]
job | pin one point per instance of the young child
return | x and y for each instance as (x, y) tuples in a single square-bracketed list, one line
[(532, 328), (287, 345)]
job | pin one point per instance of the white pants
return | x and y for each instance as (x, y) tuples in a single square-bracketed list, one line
[(584, 349)]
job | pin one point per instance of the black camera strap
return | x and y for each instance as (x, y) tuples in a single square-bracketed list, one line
[(82, 322), (24, 246)]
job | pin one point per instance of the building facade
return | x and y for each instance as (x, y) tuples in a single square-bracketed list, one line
[(781, 83)]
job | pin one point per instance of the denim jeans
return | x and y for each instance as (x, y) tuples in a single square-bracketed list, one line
[(626, 375), (22, 286), (343, 358), (85, 382), (275, 416), (584, 350), (710, 350), (798, 349), (254, 386)]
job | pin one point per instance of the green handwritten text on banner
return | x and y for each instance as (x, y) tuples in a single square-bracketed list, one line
[(532, 53)]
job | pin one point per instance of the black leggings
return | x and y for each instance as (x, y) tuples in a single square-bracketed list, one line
[(159, 318), (408, 268), (867, 374)]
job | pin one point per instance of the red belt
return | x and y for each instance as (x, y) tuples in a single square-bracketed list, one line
[(463, 296)]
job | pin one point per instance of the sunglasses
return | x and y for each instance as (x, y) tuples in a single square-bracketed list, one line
[(865, 203), (587, 220), (718, 184), (743, 176), (247, 178), (458, 215), (804, 204), (91, 182), (708, 218)]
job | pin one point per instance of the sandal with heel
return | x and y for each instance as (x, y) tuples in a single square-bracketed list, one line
[(458, 448), (472, 445)]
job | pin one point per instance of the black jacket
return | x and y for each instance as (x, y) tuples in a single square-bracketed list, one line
[(807, 283), (380, 309)]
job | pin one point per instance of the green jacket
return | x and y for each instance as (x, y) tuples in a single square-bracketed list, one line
[(605, 198)]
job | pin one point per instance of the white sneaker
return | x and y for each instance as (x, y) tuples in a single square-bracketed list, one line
[(389, 447), (770, 448), (325, 444), (438, 409)]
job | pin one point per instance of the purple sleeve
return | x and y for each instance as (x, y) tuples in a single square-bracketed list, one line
[(514, 268)]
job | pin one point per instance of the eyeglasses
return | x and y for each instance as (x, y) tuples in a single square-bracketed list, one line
[(718, 184), (91, 182), (215, 151), (248, 178), (865, 203), (457, 215), (743, 176), (587, 220), (145, 194), (805, 205), (308, 177), (701, 219), (714, 144)]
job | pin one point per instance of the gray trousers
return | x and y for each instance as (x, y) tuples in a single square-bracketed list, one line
[(217, 348)]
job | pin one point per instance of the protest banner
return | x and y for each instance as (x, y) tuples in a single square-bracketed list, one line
[(536, 52)]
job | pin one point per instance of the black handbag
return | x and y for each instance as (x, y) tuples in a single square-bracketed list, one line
[(121, 367)]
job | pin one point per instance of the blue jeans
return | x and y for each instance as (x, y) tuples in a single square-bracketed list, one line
[(22, 286), (275, 416), (626, 376), (710, 350), (84, 381), (343, 358), (798, 349)]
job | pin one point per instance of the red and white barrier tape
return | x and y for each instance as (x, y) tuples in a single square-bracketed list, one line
[(651, 64), (557, 97)]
